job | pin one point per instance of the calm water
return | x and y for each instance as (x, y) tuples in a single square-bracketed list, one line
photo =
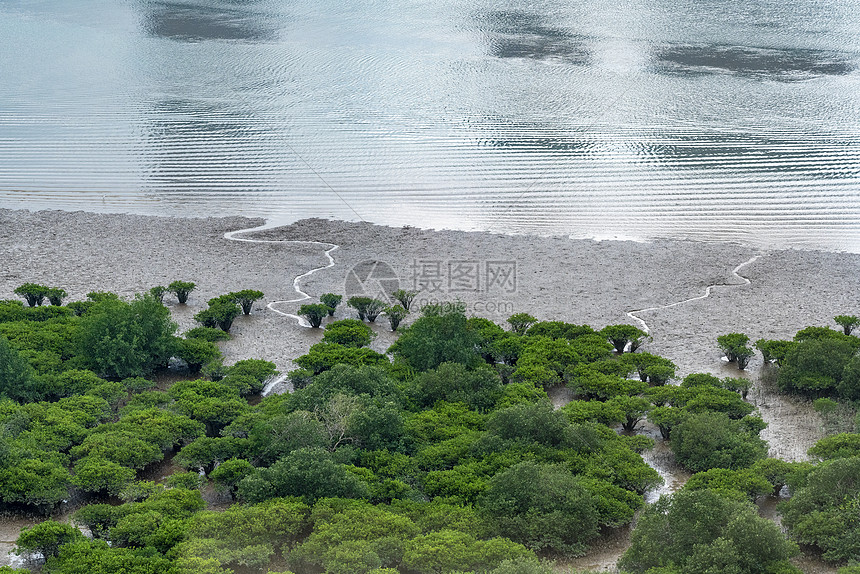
[(600, 118)]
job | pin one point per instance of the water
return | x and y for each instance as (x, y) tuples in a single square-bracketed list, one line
[(718, 120)]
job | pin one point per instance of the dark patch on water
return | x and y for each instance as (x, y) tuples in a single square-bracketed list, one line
[(784, 64), (520, 34), (836, 158), (188, 22)]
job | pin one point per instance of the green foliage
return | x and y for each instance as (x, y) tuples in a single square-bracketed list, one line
[(80, 307), (17, 379), (453, 382), (435, 339), (815, 366), (405, 297), (452, 551), (712, 440), (543, 507), (100, 296), (119, 339), (323, 356), (739, 385), (96, 557), (46, 538), (220, 313), (781, 473), (697, 531), (843, 445), (245, 299), (824, 512), (539, 423), (56, 295), (651, 368), (632, 409), (355, 537), (181, 289), (215, 404), (119, 446), (700, 380), (395, 314), (593, 411), (773, 350), (230, 473), (314, 313), (161, 428), (520, 322), (211, 334), (848, 388), (847, 322), (734, 346), (207, 452), (331, 301), (559, 330), (367, 307), (732, 483), (349, 333), (196, 352), (160, 521), (96, 474), (712, 399), (253, 371), (41, 484), (98, 518), (307, 473), (241, 536), (620, 336), (188, 480), (158, 292), (589, 383), (33, 293)]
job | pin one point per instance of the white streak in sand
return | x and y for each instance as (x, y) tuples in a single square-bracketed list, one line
[(707, 293), (330, 247)]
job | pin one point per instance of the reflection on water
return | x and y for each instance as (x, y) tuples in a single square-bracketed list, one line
[(194, 21), (520, 34), (634, 120), (775, 64)]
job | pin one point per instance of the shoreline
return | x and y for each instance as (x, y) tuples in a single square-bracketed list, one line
[(686, 291)]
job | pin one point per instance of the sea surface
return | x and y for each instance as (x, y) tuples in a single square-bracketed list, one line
[(708, 120)]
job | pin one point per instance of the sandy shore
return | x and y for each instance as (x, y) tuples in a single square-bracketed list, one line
[(556, 278), (578, 281)]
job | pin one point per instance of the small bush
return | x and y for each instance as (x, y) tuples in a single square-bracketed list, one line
[(181, 289), (314, 313), (245, 299), (33, 293), (349, 333), (56, 295), (405, 297), (395, 314), (331, 301)]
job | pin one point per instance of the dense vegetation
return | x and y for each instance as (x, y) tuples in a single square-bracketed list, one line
[(442, 455)]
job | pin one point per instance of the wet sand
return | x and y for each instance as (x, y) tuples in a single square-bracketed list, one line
[(557, 278)]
